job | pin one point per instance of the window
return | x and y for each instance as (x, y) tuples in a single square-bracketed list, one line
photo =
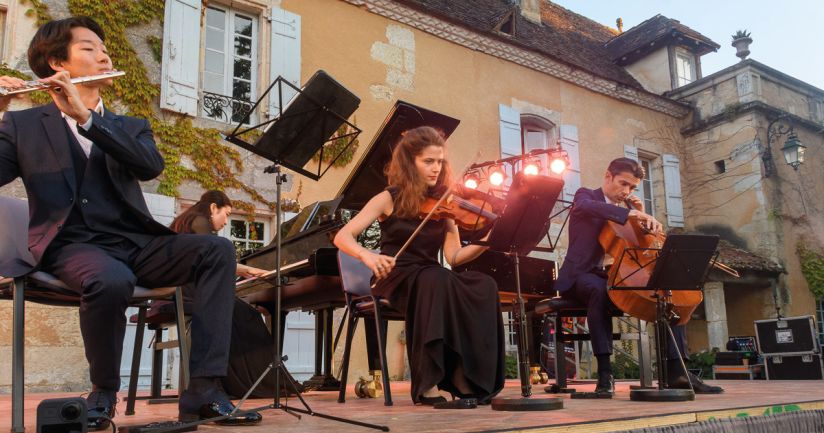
[(246, 235), (3, 13), (510, 334), (645, 191), (538, 133), (685, 69), (230, 53)]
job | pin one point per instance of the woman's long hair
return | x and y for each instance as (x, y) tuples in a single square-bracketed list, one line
[(402, 173), (183, 222)]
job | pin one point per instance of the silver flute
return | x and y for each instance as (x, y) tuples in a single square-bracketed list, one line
[(31, 86)]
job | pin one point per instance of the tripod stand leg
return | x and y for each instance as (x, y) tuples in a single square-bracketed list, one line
[(524, 403), (662, 333), (680, 355)]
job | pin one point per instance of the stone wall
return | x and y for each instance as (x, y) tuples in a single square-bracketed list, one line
[(729, 190)]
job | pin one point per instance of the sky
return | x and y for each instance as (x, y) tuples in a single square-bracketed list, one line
[(786, 34)]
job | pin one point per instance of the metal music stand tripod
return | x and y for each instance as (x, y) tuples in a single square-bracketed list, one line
[(683, 263), (523, 223), (299, 134)]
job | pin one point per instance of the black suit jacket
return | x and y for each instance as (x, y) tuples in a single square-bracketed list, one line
[(34, 145), (589, 213)]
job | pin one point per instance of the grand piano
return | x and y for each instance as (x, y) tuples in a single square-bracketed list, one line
[(309, 259)]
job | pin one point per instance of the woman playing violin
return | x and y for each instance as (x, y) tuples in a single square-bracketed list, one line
[(454, 328)]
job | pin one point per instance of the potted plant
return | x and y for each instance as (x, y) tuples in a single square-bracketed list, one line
[(741, 41)]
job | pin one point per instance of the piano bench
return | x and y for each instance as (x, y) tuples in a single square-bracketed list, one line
[(317, 294), (307, 294), (557, 308), (567, 307)]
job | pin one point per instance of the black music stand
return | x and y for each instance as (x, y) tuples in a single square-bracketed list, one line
[(303, 128), (299, 133), (683, 263), (517, 231)]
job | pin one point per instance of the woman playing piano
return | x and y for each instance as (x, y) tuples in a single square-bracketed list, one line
[(250, 350), (454, 327)]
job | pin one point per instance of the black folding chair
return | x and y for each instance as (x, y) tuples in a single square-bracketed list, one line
[(44, 288), (360, 302)]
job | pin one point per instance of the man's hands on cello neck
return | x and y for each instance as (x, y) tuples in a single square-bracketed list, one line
[(635, 202)]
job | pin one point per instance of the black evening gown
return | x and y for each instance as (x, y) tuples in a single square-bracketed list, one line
[(451, 318)]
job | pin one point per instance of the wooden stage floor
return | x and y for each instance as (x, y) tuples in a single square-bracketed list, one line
[(742, 398)]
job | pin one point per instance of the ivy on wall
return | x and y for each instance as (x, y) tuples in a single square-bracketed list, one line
[(812, 267), (338, 146), (38, 10), (191, 153)]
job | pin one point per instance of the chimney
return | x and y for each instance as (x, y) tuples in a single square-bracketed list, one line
[(531, 10), (620, 24)]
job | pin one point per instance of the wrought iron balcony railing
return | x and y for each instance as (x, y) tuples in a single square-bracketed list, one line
[(225, 108)]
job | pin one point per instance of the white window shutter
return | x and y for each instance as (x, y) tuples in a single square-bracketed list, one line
[(572, 175), (510, 130), (284, 56), (161, 207), (631, 152), (181, 56), (672, 188)]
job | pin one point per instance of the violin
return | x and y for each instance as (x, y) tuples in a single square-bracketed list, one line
[(470, 210), (461, 206)]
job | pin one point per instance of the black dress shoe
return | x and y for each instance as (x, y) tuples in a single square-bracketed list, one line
[(461, 403), (431, 401), (213, 403), (606, 385), (698, 385), (101, 406)]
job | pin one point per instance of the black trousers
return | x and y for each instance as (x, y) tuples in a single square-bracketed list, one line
[(105, 277), (590, 289)]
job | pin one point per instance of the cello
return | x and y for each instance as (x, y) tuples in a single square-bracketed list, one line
[(640, 249)]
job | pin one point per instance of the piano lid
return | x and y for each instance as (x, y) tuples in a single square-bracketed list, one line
[(367, 179)]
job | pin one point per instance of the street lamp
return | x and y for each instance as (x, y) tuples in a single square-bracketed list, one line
[(793, 150)]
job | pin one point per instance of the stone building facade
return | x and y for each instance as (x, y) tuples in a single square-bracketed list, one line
[(516, 78)]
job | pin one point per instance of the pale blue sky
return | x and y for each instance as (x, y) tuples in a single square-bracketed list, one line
[(787, 35)]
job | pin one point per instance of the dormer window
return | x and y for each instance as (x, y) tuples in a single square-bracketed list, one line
[(684, 68), (507, 25)]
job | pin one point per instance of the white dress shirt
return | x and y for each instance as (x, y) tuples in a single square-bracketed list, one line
[(85, 143)]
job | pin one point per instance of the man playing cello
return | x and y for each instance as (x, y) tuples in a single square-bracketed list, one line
[(583, 275)]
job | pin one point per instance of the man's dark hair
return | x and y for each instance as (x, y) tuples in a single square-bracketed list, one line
[(626, 165), (51, 42)]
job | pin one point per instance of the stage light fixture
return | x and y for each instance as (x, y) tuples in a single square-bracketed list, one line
[(532, 167), (471, 180), (497, 176), (558, 165)]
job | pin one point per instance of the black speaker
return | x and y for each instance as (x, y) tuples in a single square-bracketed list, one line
[(62, 415), (794, 367), (787, 335)]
